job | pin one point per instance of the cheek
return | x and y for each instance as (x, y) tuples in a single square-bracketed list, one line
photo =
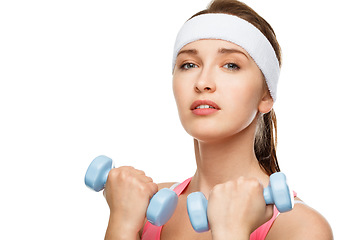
[(243, 99), (181, 91), (177, 90), (183, 98)]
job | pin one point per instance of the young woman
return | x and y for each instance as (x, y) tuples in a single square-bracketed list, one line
[(225, 71)]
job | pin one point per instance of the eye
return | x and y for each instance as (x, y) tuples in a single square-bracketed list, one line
[(231, 66), (187, 66)]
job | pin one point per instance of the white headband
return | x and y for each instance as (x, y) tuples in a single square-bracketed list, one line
[(236, 30)]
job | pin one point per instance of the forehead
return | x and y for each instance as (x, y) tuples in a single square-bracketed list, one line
[(212, 45)]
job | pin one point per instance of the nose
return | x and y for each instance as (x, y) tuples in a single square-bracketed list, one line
[(205, 82)]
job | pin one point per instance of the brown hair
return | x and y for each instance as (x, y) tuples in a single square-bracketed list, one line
[(266, 130)]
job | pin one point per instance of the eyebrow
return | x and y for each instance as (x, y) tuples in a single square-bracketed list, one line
[(231, 50), (221, 51), (188, 51)]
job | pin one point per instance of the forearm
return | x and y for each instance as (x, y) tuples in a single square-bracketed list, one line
[(118, 230)]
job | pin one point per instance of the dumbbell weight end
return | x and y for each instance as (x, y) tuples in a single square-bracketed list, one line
[(197, 211), (97, 172), (278, 192), (161, 207)]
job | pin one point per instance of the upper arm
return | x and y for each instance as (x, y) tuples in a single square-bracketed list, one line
[(302, 222)]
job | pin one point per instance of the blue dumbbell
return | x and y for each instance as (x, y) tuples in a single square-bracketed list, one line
[(162, 205), (278, 193)]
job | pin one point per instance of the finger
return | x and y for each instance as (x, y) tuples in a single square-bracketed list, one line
[(133, 170), (146, 179), (269, 211), (104, 193), (154, 188), (140, 175), (139, 172)]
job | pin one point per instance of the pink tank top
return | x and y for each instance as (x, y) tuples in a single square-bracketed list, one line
[(151, 232)]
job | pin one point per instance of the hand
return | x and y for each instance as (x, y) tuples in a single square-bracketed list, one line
[(128, 192), (237, 208)]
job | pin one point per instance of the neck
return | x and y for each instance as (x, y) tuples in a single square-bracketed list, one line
[(225, 160)]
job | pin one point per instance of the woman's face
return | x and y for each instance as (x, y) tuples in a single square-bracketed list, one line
[(224, 74)]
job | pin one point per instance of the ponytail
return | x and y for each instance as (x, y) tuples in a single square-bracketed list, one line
[(266, 141)]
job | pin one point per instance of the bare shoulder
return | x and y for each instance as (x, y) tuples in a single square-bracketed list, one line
[(303, 222)]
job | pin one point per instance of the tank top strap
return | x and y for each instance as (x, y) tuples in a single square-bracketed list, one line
[(151, 232), (182, 186)]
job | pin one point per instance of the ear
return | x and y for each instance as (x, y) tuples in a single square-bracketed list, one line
[(266, 102)]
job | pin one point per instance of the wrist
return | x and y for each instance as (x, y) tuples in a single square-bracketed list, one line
[(230, 235), (120, 230)]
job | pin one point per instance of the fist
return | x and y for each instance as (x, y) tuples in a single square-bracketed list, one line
[(128, 192), (237, 208)]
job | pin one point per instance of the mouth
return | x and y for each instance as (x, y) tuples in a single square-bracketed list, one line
[(204, 107), (204, 104)]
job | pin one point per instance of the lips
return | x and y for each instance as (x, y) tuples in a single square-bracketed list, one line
[(204, 107), (204, 102)]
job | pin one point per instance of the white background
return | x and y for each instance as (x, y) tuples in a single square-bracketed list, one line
[(84, 78)]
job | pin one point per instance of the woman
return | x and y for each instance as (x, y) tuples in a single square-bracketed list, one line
[(225, 70)]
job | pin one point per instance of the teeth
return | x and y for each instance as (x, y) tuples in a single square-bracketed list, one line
[(204, 106)]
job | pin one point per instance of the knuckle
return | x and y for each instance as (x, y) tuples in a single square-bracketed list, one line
[(241, 180), (142, 187), (230, 185), (216, 189), (255, 185), (254, 182), (121, 174), (147, 189), (125, 172), (113, 173), (248, 183)]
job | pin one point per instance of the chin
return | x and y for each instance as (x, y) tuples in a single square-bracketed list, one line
[(216, 129), (217, 133), (209, 136)]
